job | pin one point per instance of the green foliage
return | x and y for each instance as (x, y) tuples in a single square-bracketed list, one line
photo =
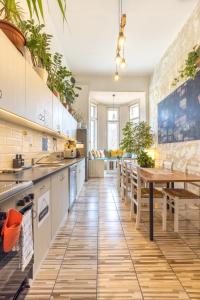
[(127, 140), (144, 160), (137, 138), (36, 6), (38, 43), (11, 11), (61, 80), (142, 136), (191, 66)]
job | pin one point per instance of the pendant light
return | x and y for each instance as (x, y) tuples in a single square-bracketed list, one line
[(120, 59), (113, 117), (116, 76)]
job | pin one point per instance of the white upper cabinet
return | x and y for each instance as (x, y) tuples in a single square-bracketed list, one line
[(57, 114), (12, 77), (23, 92), (69, 124), (38, 99)]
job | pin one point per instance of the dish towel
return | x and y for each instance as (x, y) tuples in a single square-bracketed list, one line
[(26, 240)]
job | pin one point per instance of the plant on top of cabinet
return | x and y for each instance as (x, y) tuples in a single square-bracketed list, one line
[(10, 17), (38, 43), (61, 81), (192, 66)]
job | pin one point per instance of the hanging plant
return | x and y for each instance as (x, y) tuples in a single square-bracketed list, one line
[(11, 15), (192, 66)]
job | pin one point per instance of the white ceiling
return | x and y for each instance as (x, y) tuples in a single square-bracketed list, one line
[(90, 35), (120, 97)]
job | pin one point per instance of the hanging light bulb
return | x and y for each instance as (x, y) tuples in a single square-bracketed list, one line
[(123, 63), (116, 77), (118, 58), (121, 39)]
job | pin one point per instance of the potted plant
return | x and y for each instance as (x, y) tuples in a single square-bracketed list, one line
[(192, 66), (61, 82), (137, 138), (11, 16), (38, 43)]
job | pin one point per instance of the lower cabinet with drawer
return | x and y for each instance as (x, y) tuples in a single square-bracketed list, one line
[(59, 200), (42, 221)]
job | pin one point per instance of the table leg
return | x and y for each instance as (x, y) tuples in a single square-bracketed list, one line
[(151, 227)]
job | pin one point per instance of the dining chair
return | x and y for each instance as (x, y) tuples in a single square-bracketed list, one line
[(181, 200), (125, 180), (140, 196)]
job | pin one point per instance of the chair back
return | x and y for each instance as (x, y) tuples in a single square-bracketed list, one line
[(167, 164), (135, 181)]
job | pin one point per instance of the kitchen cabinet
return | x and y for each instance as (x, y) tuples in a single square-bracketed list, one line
[(23, 92), (59, 199), (57, 114), (69, 124), (42, 221), (38, 99), (80, 175), (12, 77)]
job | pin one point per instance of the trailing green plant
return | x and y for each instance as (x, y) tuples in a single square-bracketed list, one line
[(144, 160), (61, 80), (191, 67), (38, 43), (12, 12)]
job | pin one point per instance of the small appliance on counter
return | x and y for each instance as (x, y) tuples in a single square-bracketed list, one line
[(70, 149)]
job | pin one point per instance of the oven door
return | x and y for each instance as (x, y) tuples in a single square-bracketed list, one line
[(12, 278)]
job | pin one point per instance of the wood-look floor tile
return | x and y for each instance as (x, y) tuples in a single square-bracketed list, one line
[(99, 254)]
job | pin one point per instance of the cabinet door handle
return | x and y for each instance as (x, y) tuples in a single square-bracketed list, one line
[(1, 94)]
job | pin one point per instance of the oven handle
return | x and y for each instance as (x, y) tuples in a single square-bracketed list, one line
[(26, 208)]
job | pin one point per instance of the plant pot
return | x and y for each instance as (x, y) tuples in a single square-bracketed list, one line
[(56, 94), (42, 73), (198, 62), (14, 35)]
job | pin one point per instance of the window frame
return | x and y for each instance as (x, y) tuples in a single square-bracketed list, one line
[(114, 122), (133, 120), (95, 120)]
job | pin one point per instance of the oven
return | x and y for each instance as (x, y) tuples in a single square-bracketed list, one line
[(14, 271)]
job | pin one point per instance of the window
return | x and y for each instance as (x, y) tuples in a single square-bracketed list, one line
[(134, 112), (113, 129), (93, 126)]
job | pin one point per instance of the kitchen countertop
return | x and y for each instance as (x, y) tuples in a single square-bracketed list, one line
[(35, 174)]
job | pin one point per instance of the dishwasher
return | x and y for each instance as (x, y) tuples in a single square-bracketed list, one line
[(72, 185)]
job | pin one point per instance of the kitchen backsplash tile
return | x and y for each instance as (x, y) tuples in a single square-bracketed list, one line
[(17, 139)]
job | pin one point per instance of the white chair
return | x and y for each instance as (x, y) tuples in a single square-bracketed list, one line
[(125, 180), (140, 196), (181, 200)]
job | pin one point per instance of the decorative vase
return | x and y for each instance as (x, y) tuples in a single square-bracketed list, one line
[(42, 73), (14, 35)]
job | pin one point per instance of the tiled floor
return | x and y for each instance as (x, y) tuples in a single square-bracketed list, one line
[(98, 254)]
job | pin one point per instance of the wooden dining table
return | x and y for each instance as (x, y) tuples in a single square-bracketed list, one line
[(158, 175)]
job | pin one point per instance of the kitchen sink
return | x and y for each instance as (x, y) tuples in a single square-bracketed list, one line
[(49, 165)]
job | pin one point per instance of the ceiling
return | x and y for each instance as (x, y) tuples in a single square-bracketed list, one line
[(120, 97), (90, 35)]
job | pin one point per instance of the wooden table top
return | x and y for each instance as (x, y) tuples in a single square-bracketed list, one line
[(159, 175)]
